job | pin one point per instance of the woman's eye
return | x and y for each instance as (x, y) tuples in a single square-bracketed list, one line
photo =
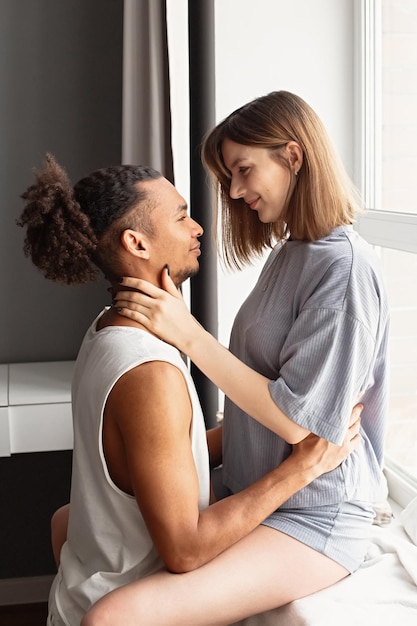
[(243, 170)]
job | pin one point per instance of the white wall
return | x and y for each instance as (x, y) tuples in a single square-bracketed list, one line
[(304, 46)]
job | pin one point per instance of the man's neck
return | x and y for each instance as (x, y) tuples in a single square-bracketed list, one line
[(112, 317)]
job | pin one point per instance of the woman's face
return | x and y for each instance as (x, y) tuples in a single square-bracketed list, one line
[(264, 183)]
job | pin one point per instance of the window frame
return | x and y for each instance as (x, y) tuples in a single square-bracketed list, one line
[(380, 228)]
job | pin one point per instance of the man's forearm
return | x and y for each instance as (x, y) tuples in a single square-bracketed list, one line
[(227, 521)]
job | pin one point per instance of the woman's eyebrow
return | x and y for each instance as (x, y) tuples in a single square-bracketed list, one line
[(237, 161)]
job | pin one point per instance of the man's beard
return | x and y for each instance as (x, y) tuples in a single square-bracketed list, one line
[(183, 274)]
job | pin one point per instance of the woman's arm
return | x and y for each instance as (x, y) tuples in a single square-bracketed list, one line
[(164, 313)]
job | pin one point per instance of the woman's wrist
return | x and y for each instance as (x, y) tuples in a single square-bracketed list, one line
[(193, 341)]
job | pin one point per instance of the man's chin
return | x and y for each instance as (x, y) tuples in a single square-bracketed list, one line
[(182, 275)]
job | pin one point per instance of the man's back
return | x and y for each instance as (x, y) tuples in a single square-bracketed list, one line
[(108, 540)]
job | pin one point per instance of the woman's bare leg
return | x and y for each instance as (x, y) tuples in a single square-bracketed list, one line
[(264, 570)]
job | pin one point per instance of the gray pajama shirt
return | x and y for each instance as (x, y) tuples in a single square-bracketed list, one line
[(316, 324)]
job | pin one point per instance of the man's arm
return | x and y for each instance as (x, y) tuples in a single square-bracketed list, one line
[(151, 407), (214, 443)]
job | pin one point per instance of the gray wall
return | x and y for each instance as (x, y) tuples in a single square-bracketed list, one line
[(60, 91)]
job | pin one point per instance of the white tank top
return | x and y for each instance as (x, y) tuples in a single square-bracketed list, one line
[(108, 543)]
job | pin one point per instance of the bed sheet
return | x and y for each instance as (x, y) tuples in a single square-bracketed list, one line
[(383, 592)]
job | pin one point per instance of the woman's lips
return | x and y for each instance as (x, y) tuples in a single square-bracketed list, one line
[(253, 203)]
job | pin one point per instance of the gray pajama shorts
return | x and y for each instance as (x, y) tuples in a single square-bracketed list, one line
[(339, 531)]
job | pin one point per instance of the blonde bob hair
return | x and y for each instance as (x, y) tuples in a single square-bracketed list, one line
[(323, 197)]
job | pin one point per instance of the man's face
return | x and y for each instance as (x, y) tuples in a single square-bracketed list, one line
[(175, 234)]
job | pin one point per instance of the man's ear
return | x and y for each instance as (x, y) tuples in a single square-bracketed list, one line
[(135, 243), (295, 156)]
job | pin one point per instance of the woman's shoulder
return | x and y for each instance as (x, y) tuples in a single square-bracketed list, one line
[(338, 264), (343, 246), (317, 256)]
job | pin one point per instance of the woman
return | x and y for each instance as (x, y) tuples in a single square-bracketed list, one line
[(310, 338)]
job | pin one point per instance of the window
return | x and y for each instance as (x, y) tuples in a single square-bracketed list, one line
[(387, 175)]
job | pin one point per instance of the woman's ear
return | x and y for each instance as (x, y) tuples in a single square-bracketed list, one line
[(135, 243), (295, 156)]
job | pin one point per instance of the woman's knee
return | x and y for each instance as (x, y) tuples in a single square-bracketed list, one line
[(96, 617), (113, 609), (132, 605)]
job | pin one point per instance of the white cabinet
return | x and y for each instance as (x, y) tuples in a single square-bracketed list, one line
[(35, 407), (4, 411)]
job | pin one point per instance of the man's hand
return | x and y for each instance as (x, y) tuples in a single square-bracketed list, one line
[(323, 456)]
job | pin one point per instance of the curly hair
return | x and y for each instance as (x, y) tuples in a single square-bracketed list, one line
[(72, 231), (323, 197)]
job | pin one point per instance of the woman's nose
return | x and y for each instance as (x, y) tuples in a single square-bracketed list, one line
[(236, 190)]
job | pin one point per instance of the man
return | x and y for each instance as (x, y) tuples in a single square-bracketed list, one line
[(140, 484)]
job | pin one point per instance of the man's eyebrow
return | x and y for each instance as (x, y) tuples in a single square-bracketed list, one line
[(181, 208)]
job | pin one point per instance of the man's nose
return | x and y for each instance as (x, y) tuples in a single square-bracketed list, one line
[(197, 229)]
